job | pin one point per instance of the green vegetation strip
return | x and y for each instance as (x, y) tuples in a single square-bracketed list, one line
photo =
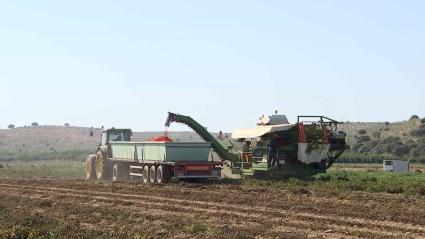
[(374, 182), (43, 168), (342, 177)]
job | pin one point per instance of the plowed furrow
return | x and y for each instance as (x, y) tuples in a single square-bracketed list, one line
[(352, 225), (152, 213)]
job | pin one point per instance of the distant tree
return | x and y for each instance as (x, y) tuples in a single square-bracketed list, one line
[(414, 117), (401, 150), (66, 124), (34, 124), (11, 126), (387, 123), (418, 151), (423, 121), (362, 131)]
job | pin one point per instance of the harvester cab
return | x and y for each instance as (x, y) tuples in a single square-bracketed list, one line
[(115, 135)]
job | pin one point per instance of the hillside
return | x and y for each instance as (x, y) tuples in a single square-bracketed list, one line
[(373, 142), (370, 142)]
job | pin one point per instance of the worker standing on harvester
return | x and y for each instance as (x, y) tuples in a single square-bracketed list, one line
[(272, 151), (247, 147), (246, 154)]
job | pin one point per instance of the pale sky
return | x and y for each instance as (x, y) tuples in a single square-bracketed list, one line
[(225, 63)]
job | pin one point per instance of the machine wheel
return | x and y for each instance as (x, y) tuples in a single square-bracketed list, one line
[(145, 173), (91, 167), (120, 172), (152, 174), (103, 166), (163, 174)]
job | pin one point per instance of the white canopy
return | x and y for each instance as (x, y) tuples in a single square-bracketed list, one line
[(260, 130)]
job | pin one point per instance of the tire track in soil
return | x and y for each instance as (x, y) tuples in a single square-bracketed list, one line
[(361, 206), (354, 225), (262, 210)]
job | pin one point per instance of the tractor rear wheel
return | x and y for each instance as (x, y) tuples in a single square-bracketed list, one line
[(145, 173), (91, 167), (103, 166)]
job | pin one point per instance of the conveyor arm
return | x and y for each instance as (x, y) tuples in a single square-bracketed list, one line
[(205, 135)]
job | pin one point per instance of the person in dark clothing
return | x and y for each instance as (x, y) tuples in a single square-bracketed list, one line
[(247, 147), (272, 151)]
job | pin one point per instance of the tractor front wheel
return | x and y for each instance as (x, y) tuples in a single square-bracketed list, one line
[(91, 167)]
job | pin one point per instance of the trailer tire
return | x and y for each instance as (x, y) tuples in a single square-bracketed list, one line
[(145, 173), (163, 174), (91, 167), (159, 174), (120, 172), (103, 166), (152, 174)]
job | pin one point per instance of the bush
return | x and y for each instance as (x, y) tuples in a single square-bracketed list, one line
[(401, 150), (365, 148), (423, 121), (391, 139), (34, 124), (11, 126), (376, 134), (362, 131), (66, 124), (418, 151), (362, 138), (418, 132)]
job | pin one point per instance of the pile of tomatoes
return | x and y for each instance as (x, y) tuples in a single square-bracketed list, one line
[(162, 138)]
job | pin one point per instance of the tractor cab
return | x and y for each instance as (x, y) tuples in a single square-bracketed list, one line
[(115, 135)]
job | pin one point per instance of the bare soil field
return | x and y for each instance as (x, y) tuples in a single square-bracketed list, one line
[(71, 208)]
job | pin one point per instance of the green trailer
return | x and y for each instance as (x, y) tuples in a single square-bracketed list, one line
[(160, 151), (118, 158)]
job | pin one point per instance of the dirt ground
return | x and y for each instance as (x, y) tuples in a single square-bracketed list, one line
[(183, 210)]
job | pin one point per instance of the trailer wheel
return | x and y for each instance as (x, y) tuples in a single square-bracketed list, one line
[(91, 167), (145, 173), (152, 174), (163, 174), (120, 172), (115, 175), (103, 167), (159, 174)]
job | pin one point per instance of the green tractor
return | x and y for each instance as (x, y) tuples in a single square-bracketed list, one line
[(98, 166), (276, 148)]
